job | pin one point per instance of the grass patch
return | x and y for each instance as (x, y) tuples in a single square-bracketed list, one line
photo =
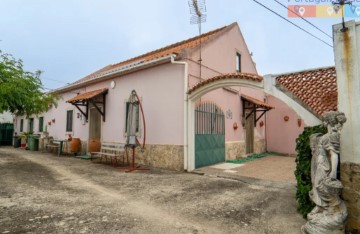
[(251, 158), (84, 156)]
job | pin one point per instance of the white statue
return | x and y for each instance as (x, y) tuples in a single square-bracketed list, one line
[(330, 212)]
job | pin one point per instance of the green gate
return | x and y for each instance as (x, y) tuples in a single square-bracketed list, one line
[(209, 135), (6, 133)]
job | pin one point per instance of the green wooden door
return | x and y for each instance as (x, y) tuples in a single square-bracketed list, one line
[(209, 135)]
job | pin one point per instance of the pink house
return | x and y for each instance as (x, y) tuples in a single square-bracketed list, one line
[(193, 105)]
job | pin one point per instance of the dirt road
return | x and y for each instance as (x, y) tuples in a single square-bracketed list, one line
[(41, 193)]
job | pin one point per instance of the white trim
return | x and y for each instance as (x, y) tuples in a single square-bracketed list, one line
[(186, 84), (101, 121), (238, 63), (73, 119)]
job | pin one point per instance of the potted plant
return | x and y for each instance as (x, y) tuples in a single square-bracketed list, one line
[(25, 136)]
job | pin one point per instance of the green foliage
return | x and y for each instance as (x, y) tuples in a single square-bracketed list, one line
[(21, 92), (251, 158), (303, 169)]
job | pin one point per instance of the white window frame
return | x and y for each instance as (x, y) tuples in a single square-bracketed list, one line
[(72, 122), (238, 61)]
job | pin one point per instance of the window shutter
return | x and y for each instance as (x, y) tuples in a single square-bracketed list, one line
[(41, 124)]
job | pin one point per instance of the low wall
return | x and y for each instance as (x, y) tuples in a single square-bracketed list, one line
[(236, 149), (161, 156), (350, 177), (260, 146)]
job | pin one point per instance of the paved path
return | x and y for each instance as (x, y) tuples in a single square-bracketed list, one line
[(269, 168), (41, 193)]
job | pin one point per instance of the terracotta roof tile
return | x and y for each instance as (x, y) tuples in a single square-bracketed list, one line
[(316, 88), (171, 49), (257, 102), (243, 76), (86, 96)]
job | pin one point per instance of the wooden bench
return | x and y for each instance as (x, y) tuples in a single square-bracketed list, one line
[(113, 151)]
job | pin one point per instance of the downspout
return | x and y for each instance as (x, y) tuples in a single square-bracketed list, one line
[(186, 84), (266, 132)]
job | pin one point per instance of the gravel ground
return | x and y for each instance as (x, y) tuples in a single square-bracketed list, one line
[(42, 193)]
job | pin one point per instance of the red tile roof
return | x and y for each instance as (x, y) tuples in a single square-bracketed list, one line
[(242, 76), (256, 102), (86, 96), (316, 89), (171, 49)]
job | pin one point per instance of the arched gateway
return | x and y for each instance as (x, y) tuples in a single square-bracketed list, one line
[(200, 89)]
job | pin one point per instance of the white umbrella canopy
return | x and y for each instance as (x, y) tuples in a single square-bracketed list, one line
[(132, 120), (132, 127)]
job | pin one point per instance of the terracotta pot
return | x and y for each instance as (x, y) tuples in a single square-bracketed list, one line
[(235, 126), (299, 121), (94, 145), (75, 145)]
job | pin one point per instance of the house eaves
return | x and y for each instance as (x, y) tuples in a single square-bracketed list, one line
[(119, 71)]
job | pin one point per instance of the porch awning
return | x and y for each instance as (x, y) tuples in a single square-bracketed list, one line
[(254, 105), (94, 97)]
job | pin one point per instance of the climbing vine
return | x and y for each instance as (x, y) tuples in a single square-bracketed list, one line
[(303, 169)]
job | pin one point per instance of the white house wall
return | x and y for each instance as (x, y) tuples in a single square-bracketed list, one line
[(161, 90)]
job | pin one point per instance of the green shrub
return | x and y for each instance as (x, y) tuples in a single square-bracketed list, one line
[(303, 169)]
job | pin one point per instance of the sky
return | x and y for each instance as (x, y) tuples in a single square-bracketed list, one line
[(70, 39)]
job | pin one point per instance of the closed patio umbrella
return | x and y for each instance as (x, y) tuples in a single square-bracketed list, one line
[(132, 127)]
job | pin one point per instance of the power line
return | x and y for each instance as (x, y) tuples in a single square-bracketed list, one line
[(59, 81), (293, 24), (303, 19)]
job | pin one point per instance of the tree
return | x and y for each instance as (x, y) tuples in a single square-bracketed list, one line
[(21, 92)]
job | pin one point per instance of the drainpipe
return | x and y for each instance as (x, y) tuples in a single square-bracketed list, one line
[(186, 84), (266, 132)]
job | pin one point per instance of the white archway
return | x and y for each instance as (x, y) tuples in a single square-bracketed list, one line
[(241, 79)]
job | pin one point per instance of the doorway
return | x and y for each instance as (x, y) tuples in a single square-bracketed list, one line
[(94, 128), (209, 135), (249, 128)]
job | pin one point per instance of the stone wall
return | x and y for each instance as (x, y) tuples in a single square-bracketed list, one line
[(162, 156), (236, 149), (350, 177), (260, 146)]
